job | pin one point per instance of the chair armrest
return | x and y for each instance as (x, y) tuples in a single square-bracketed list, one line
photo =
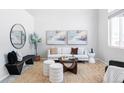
[(116, 63), (16, 64), (106, 68), (123, 81)]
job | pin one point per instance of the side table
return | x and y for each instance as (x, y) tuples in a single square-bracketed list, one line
[(46, 65), (91, 58)]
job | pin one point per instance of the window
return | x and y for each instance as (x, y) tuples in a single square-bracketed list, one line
[(116, 29)]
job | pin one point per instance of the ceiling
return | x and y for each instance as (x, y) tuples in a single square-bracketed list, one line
[(35, 12)]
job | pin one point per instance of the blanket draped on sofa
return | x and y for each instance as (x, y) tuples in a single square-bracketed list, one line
[(114, 74)]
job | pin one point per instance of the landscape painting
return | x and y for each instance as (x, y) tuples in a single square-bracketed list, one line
[(77, 37), (56, 37)]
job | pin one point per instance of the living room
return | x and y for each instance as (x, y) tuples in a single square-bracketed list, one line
[(48, 24)]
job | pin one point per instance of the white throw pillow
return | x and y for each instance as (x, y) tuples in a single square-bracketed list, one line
[(59, 51), (66, 50), (80, 51), (86, 52), (19, 56)]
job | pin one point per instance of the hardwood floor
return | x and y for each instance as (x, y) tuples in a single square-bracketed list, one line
[(87, 73)]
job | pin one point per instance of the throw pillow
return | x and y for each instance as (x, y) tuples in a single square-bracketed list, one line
[(66, 50), (59, 50), (12, 57), (19, 56), (80, 51), (74, 50), (53, 50)]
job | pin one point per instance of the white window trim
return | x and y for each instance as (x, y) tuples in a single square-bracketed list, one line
[(113, 14)]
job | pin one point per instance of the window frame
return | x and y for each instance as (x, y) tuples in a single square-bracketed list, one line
[(119, 46)]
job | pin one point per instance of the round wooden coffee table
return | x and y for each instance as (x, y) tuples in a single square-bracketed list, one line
[(72, 68)]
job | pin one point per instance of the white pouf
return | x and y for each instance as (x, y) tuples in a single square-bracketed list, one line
[(46, 65), (91, 58), (56, 73)]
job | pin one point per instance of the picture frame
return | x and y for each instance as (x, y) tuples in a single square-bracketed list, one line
[(77, 37), (56, 37)]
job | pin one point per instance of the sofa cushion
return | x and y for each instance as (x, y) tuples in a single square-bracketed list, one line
[(74, 50), (55, 55), (59, 55), (81, 56), (67, 55), (53, 50)]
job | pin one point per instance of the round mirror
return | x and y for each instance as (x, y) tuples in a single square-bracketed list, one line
[(18, 36)]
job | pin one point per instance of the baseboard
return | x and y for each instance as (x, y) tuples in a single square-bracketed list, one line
[(102, 60), (3, 73), (4, 77)]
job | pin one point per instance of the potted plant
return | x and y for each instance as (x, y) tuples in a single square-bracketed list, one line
[(35, 39)]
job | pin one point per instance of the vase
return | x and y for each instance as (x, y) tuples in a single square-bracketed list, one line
[(37, 58)]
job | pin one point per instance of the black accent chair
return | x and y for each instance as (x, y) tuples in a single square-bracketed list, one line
[(15, 69), (14, 66), (115, 63)]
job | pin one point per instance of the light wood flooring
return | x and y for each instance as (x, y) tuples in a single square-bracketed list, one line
[(87, 73)]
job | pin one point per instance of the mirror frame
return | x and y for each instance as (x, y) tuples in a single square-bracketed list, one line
[(11, 35)]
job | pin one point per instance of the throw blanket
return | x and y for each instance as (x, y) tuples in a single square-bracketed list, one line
[(114, 74)]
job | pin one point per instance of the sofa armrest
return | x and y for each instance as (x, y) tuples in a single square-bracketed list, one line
[(48, 51)]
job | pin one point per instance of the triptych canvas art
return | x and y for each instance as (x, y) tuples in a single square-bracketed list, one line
[(67, 37)]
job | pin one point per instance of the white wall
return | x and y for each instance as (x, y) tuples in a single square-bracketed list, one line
[(107, 53), (84, 19), (7, 19)]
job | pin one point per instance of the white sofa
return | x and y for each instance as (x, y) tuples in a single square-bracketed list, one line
[(82, 54)]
